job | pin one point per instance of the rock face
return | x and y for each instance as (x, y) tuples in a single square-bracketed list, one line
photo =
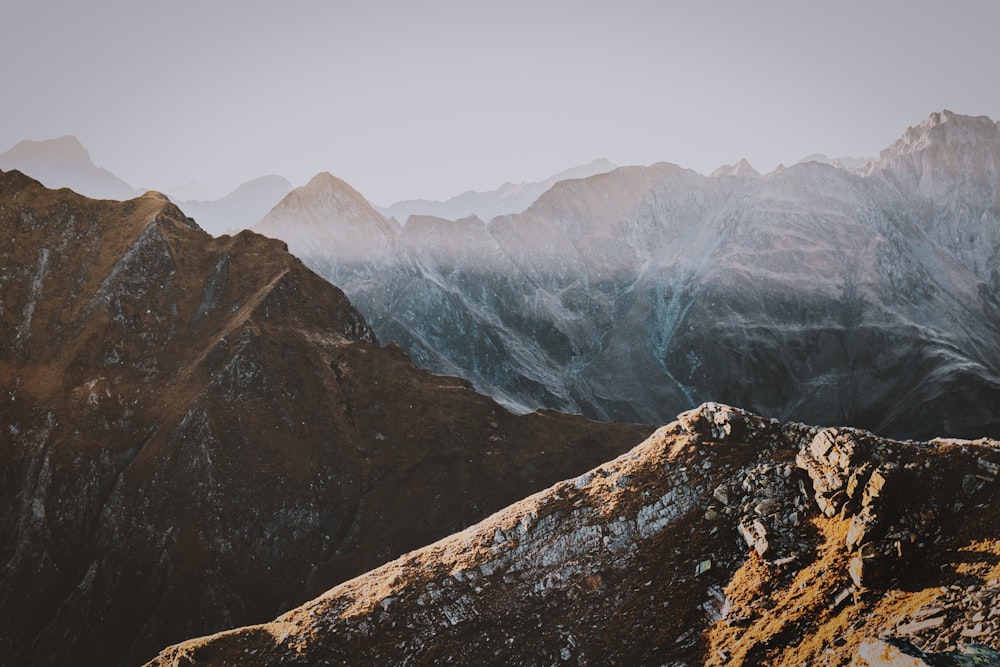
[(868, 298), (200, 433), (644, 560)]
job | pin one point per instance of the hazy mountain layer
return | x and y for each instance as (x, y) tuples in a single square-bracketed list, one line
[(723, 539), (239, 209), (508, 198), (200, 433), (65, 163), (812, 293)]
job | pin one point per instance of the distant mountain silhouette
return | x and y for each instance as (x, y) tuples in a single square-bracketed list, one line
[(65, 163), (241, 208), (508, 198)]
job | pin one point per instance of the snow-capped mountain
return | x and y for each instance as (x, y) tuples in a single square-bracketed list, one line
[(65, 163), (508, 198), (813, 293)]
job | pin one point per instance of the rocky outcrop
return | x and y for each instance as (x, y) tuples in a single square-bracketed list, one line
[(646, 560), (201, 433), (900, 653), (816, 293)]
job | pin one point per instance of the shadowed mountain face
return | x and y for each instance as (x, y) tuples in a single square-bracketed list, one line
[(199, 433), (723, 539), (869, 298)]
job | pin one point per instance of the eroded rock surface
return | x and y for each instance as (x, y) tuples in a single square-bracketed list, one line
[(646, 560)]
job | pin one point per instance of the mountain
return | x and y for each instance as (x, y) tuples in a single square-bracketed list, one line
[(741, 168), (508, 198), (240, 208), (200, 433), (723, 539), (865, 297), (65, 163), (845, 163)]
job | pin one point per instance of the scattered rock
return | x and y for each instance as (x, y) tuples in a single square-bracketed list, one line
[(900, 653)]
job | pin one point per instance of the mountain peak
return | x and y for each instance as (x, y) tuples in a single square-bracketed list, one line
[(325, 179), (944, 128), (327, 210), (741, 168), (65, 163), (65, 150), (332, 194), (153, 194)]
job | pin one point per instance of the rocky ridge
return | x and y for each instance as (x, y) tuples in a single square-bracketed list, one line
[(648, 559), (814, 293), (199, 433)]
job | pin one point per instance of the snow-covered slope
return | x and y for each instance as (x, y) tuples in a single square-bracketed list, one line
[(814, 293), (508, 198), (65, 163)]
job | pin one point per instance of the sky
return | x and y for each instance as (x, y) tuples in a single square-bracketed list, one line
[(427, 99)]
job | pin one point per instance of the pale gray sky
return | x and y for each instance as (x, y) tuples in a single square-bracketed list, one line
[(427, 99)]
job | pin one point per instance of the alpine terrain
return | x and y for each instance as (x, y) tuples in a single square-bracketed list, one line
[(64, 162), (823, 292), (723, 539), (198, 433)]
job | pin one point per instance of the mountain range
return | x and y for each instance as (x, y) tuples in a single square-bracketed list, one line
[(199, 433), (868, 297), (203, 436), (65, 163), (508, 198)]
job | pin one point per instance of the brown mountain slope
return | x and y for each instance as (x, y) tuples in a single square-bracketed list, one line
[(706, 544), (200, 433)]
